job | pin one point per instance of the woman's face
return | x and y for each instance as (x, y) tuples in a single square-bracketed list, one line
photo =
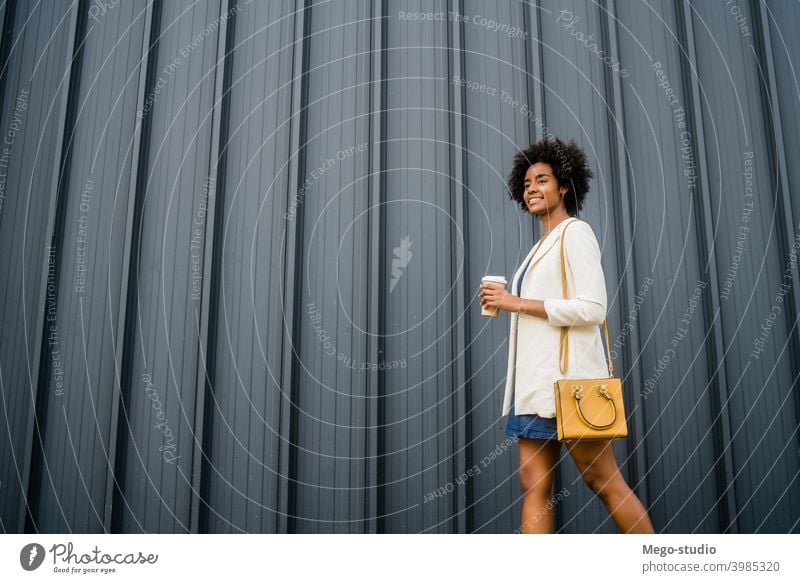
[(542, 193)]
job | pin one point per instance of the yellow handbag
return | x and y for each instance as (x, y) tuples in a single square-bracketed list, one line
[(587, 408)]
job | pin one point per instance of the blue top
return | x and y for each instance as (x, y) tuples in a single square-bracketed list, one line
[(522, 275)]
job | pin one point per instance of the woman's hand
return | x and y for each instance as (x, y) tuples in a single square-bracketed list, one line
[(495, 295)]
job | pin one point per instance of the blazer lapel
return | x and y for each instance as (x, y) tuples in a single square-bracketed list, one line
[(549, 242), (539, 251)]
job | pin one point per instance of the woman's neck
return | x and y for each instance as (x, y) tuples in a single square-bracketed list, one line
[(551, 221)]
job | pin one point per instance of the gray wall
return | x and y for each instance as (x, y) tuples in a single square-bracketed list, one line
[(242, 242)]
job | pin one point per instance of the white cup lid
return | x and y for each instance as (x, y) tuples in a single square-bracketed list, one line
[(495, 278)]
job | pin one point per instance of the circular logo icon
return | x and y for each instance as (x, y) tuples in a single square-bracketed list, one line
[(31, 556)]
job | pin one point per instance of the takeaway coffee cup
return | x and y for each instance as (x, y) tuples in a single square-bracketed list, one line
[(486, 310)]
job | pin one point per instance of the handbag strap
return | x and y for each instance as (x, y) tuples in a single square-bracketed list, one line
[(563, 345)]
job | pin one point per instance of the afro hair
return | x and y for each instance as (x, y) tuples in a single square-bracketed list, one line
[(569, 166)]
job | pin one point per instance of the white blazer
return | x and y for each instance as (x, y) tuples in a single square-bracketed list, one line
[(533, 357)]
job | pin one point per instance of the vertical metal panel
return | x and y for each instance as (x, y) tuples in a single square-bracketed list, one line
[(636, 460), (717, 384), (458, 266), (14, 497), (293, 265), (783, 93), (32, 184), (496, 235), (764, 466), (665, 249), (132, 207), (331, 342), (159, 401), (205, 314), (92, 210), (247, 484), (270, 221), (375, 314)]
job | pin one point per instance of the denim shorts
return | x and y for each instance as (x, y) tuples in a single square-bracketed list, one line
[(530, 426)]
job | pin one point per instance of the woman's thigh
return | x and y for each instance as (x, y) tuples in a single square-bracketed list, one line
[(537, 460)]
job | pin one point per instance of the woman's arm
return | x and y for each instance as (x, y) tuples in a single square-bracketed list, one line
[(531, 307), (584, 266), (588, 307)]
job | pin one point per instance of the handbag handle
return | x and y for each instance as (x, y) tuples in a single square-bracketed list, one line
[(577, 394), (563, 345)]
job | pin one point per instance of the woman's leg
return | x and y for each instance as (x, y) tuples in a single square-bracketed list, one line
[(595, 461), (537, 461)]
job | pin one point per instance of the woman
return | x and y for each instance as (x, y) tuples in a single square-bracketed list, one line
[(550, 180)]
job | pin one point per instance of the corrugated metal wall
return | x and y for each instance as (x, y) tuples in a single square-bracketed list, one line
[(242, 241)]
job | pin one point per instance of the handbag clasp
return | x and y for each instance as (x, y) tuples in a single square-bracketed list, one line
[(602, 390)]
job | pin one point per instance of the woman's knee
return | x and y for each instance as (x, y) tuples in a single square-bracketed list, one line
[(535, 481), (596, 463), (536, 466), (602, 481)]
